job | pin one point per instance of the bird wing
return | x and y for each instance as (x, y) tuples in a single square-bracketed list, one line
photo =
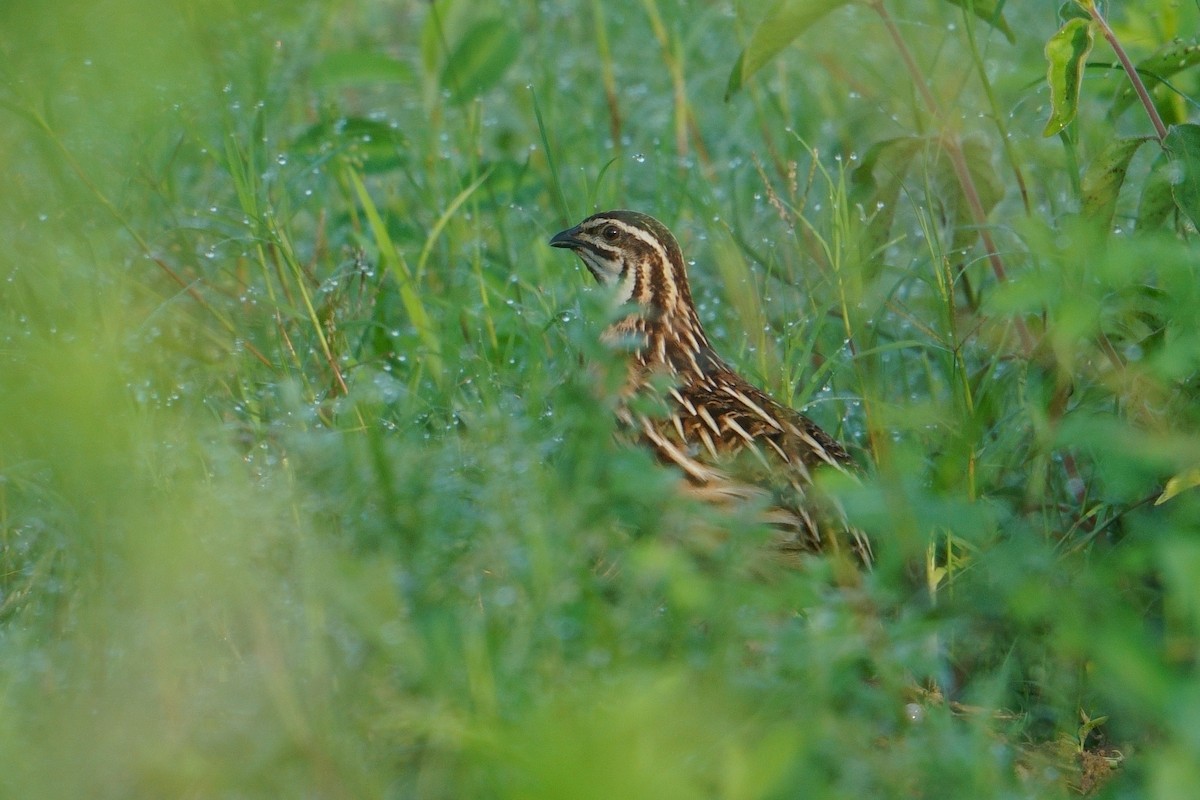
[(734, 442)]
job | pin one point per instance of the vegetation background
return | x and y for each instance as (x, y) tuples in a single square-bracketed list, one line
[(307, 478)]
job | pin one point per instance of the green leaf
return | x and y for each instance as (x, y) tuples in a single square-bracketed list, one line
[(393, 261), (787, 20), (1183, 150), (1157, 201), (1066, 53), (875, 186), (1104, 177), (351, 67), (480, 60), (1072, 10), (1165, 63), (991, 12), (1188, 479), (376, 145), (980, 164), (948, 189), (443, 220)]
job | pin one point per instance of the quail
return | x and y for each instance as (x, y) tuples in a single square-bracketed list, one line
[(730, 439)]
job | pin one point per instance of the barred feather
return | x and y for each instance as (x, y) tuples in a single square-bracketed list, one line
[(717, 419)]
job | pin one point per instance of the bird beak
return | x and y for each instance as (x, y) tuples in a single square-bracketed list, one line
[(567, 239)]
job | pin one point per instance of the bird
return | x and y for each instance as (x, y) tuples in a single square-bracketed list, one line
[(732, 441)]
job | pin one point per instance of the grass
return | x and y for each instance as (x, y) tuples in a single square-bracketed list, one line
[(308, 484)]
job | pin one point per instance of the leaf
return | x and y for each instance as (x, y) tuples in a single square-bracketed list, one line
[(1165, 63), (443, 21), (787, 20), (377, 145), (1104, 177), (1157, 201), (1189, 479), (1066, 52), (444, 219), (1072, 10), (351, 67), (1183, 150), (394, 262), (480, 60), (979, 158), (991, 12), (988, 186), (875, 186)]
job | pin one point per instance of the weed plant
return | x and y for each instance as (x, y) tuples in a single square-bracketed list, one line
[(308, 477)]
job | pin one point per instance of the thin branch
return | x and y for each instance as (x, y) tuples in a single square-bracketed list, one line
[(957, 160), (1139, 86)]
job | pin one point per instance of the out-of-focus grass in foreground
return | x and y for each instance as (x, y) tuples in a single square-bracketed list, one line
[(308, 485)]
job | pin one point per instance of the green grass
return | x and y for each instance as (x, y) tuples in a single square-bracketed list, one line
[(308, 483)]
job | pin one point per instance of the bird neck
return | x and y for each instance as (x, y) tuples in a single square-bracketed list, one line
[(663, 331), (670, 340)]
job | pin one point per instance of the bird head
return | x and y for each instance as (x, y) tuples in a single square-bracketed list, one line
[(635, 255)]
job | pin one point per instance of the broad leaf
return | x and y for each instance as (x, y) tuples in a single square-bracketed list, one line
[(787, 20), (1072, 10), (875, 186), (1180, 483), (1183, 149), (1066, 53), (443, 22), (1167, 62), (1157, 201), (991, 12), (350, 68), (376, 145), (949, 191), (480, 59), (1104, 177)]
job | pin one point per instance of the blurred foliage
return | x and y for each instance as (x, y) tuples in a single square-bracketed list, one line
[(308, 483)]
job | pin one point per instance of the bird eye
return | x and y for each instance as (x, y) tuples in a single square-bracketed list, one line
[(610, 233)]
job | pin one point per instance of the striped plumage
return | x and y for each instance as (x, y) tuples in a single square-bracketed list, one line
[(731, 439)]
